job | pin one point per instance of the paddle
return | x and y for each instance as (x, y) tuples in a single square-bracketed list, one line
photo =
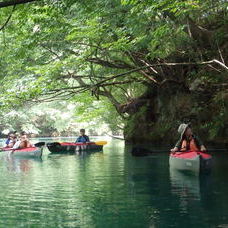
[(53, 144), (39, 144), (101, 143)]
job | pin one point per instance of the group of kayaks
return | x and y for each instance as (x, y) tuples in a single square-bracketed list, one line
[(193, 161), (55, 147)]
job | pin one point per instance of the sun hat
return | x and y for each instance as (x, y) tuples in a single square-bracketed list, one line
[(182, 128)]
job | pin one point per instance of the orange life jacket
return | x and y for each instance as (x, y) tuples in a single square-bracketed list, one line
[(23, 144), (192, 146)]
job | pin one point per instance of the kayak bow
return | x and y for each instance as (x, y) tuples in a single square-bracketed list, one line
[(191, 161)]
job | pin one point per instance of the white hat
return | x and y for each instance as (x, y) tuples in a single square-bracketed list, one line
[(182, 128)]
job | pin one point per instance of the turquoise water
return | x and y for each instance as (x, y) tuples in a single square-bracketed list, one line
[(110, 189)]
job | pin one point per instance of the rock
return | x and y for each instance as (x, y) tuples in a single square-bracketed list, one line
[(140, 151)]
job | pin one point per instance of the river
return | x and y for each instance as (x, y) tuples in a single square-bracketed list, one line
[(110, 189)]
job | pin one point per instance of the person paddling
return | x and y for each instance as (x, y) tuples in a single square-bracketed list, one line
[(82, 138), (11, 140), (23, 142), (188, 141)]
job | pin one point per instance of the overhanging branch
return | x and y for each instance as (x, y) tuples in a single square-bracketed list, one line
[(15, 2), (164, 64), (8, 19)]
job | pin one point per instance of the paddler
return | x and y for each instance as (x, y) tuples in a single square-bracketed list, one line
[(82, 138), (23, 142), (11, 140), (188, 141)]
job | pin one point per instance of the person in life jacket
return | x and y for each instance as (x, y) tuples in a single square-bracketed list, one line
[(188, 141), (82, 138), (23, 142)]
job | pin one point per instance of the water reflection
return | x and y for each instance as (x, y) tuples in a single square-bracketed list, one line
[(191, 190), (79, 153), (19, 165), (186, 186)]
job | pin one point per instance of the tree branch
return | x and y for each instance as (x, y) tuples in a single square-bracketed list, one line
[(8, 19), (163, 64), (79, 76), (114, 64), (15, 2)]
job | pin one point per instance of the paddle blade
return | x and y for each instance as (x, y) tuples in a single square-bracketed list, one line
[(101, 143), (39, 144)]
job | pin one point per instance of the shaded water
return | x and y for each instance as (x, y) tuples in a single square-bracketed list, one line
[(110, 189)]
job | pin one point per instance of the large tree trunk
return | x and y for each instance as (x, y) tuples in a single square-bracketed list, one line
[(157, 120)]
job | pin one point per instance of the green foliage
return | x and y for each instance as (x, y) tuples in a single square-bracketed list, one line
[(61, 118), (68, 50)]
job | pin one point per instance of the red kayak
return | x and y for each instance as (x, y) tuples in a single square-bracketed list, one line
[(195, 161), (35, 151), (25, 152), (6, 148)]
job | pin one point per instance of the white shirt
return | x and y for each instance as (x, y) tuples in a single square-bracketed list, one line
[(16, 145)]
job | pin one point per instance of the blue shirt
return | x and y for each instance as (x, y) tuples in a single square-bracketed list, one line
[(7, 141), (83, 139)]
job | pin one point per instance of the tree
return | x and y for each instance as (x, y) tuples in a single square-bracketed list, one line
[(131, 52)]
